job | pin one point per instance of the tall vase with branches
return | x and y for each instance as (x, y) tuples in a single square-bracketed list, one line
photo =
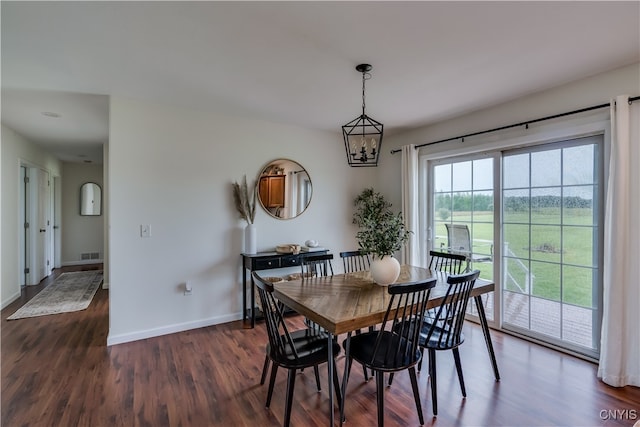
[(381, 232), (245, 202)]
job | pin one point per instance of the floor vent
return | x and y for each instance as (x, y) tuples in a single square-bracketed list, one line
[(90, 255)]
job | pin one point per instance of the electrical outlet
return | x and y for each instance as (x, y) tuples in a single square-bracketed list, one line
[(145, 230)]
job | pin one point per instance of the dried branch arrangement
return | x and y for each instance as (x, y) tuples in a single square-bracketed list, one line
[(245, 202)]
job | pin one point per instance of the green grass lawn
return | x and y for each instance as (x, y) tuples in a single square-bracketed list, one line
[(557, 248)]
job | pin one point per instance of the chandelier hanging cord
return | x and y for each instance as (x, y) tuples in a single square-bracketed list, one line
[(365, 76)]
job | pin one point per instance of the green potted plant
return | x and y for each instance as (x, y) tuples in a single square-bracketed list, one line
[(381, 233)]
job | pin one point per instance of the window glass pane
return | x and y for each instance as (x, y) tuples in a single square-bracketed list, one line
[(577, 205), (545, 317), (440, 235), (517, 275), (516, 240), (462, 176), (462, 206), (483, 174), (577, 246), (516, 171), (577, 325), (545, 280), (442, 201), (515, 206), (545, 168), (545, 243), (577, 284), (545, 205), (483, 207), (516, 309), (442, 177), (578, 165)]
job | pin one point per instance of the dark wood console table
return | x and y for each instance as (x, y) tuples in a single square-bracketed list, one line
[(264, 261)]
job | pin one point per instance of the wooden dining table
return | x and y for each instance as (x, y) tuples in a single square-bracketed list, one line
[(344, 303)]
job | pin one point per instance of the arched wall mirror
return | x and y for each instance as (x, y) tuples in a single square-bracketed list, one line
[(284, 189), (90, 199)]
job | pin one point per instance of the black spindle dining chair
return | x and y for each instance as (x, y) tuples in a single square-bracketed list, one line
[(445, 333), (355, 261), (291, 350), (393, 347)]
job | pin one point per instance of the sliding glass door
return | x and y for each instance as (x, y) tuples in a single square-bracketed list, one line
[(551, 227), (534, 222)]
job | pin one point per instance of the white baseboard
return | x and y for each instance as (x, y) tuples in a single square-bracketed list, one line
[(105, 285), (170, 329), (11, 299)]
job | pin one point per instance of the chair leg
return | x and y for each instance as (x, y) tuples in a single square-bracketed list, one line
[(265, 368), (420, 362), (272, 381), (432, 379), (291, 382), (366, 375), (349, 368), (380, 397), (416, 393), (456, 357), (390, 378), (315, 371)]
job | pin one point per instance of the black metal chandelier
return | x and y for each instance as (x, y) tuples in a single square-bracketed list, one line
[(363, 135)]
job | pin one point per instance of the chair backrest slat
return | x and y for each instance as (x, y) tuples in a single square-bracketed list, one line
[(355, 261)]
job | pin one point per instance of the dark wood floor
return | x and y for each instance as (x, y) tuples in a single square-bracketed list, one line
[(57, 371)]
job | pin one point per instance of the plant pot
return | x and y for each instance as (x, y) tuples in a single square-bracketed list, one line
[(250, 239), (385, 270)]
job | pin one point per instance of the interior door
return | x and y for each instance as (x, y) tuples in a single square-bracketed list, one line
[(43, 239)]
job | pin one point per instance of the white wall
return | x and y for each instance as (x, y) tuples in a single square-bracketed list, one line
[(594, 90), (172, 168), (16, 149), (80, 234)]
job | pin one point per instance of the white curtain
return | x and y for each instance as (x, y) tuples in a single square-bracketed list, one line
[(410, 211), (620, 343)]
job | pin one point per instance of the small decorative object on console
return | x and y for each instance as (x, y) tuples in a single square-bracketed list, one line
[(288, 248), (312, 249)]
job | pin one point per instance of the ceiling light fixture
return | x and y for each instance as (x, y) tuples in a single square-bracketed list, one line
[(363, 135)]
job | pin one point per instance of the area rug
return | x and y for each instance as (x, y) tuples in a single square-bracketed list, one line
[(71, 291)]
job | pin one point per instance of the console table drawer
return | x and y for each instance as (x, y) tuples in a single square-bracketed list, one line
[(291, 261), (266, 263)]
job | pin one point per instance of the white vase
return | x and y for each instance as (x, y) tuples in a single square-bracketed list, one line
[(385, 270), (250, 239)]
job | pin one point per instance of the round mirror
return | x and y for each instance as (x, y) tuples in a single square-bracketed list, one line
[(284, 189)]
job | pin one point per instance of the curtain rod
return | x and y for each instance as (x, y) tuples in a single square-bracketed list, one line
[(527, 123)]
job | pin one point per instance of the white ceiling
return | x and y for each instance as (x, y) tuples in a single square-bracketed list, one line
[(293, 62)]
